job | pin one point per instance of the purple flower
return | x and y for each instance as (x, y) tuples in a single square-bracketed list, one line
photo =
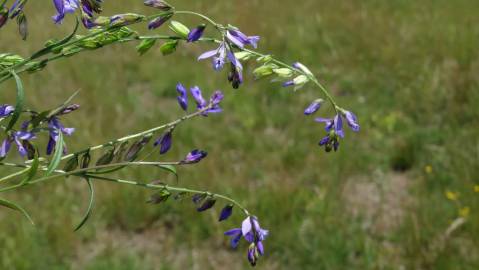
[(252, 233), (334, 128), (196, 33), (183, 96), (200, 101), (6, 110), (63, 7), (352, 121), (313, 107), (16, 137), (215, 100), (241, 40), (17, 8), (194, 156), (56, 126), (165, 142), (220, 55), (226, 212)]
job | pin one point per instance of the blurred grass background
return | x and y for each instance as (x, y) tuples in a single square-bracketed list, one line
[(408, 69)]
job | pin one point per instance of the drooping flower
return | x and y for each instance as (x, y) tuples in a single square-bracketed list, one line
[(164, 142), (183, 96), (18, 137), (194, 156), (334, 129), (55, 126), (63, 7), (313, 107), (252, 232), (352, 121), (220, 56), (241, 40), (215, 101), (6, 110), (196, 33)]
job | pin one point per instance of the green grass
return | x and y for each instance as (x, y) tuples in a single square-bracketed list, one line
[(408, 69)]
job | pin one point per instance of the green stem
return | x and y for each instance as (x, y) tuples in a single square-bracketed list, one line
[(84, 172), (13, 175), (140, 134), (171, 188), (199, 15)]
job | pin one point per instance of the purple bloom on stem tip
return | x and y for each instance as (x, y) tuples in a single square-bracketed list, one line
[(226, 212), (165, 142), (183, 96), (313, 107), (352, 121), (196, 33), (194, 156), (6, 110), (240, 39), (252, 233), (56, 126)]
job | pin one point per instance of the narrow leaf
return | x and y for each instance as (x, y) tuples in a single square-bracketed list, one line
[(33, 169), (16, 207), (169, 168), (57, 155), (49, 48), (20, 101), (90, 205)]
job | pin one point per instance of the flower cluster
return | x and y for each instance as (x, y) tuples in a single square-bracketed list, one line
[(225, 53), (252, 232), (28, 131), (333, 126), (201, 104)]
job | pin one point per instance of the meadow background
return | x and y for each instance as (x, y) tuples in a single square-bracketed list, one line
[(408, 69)]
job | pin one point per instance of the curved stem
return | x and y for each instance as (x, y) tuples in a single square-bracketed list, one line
[(199, 15), (84, 172), (170, 188), (13, 175)]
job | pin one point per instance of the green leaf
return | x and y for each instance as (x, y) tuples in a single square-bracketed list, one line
[(57, 155), (90, 205), (33, 169), (20, 101), (52, 45), (145, 45), (16, 207), (169, 168)]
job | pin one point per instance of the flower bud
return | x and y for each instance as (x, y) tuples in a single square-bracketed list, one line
[(159, 21), (159, 4), (283, 72), (169, 47), (303, 68), (179, 29), (196, 33), (210, 202), (264, 70), (125, 19), (71, 164)]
